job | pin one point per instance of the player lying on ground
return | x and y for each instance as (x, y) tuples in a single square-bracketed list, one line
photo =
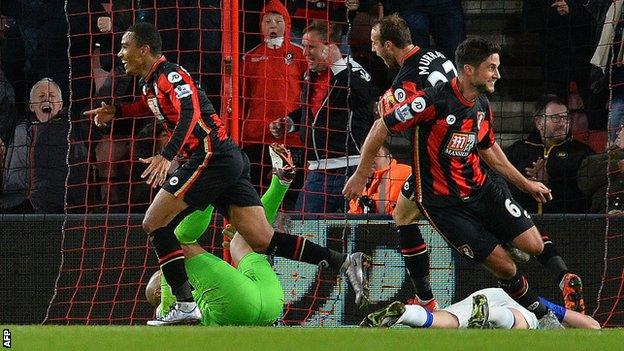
[(195, 225), (486, 309), (250, 294)]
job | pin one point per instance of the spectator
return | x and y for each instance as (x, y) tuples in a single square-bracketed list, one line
[(441, 19), (7, 102), (272, 78), (35, 166), (608, 58), (603, 174), (384, 185), (337, 115), (565, 47), (41, 29), (549, 155), (306, 11)]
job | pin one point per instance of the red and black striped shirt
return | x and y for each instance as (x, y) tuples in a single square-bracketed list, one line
[(171, 95), (448, 130), (420, 69)]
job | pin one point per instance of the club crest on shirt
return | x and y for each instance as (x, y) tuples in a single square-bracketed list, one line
[(460, 144), (289, 58), (480, 118), (387, 102), (562, 154)]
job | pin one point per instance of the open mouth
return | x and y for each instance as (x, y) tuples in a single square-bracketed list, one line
[(46, 109), (272, 35)]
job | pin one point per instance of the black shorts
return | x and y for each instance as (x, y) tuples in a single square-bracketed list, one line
[(220, 180), (409, 188), (474, 228)]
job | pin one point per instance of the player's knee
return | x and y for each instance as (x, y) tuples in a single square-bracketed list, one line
[(502, 267), (398, 218), (404, 217), (507, 270), (260, 245), (535, 248), (149, 226)]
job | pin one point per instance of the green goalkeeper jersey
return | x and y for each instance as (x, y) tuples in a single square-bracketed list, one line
[(248, 295)]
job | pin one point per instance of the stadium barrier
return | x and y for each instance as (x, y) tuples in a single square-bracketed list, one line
[(103, 272)]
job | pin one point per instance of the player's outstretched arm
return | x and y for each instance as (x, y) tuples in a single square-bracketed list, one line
[(497, 160), (102, 114), (375, 138)]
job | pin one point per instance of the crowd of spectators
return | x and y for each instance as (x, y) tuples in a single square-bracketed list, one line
[(300, 86)]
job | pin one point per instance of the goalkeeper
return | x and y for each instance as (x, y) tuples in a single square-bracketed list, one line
[(250, 294)]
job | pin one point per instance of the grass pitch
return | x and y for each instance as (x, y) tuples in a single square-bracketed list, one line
[(112, 338)]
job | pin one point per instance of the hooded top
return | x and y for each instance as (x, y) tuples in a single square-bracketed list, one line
[(272, 79)]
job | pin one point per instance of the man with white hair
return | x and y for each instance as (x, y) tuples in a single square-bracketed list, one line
[(35, 166)]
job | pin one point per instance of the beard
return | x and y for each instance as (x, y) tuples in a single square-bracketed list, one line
[(483, 88), (389, 60)]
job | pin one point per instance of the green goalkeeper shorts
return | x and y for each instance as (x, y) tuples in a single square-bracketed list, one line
[(249, 295)]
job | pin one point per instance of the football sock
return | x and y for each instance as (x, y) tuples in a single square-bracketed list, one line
[(416, 257), (171, 261), (298, 248), (194, 225), (273, 197), (416, 316), (551, 259), (518, 289), (167, 299), (501, 318)]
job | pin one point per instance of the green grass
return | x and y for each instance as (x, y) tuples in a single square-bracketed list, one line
[(341, 339)]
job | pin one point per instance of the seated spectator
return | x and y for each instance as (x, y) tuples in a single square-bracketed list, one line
[(35, 167), (604, 173), (384, 185), (272, 79), (551, 156)]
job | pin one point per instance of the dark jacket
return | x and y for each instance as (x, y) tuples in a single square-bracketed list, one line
[(562, 163), (35, 166), (593, 179), (346, 115)]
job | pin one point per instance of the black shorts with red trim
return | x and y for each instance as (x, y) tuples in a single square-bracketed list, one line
[(475, 227), (220, 179)]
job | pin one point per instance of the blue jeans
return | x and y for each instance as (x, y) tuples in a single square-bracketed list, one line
[(445, 22), (322, 192)]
